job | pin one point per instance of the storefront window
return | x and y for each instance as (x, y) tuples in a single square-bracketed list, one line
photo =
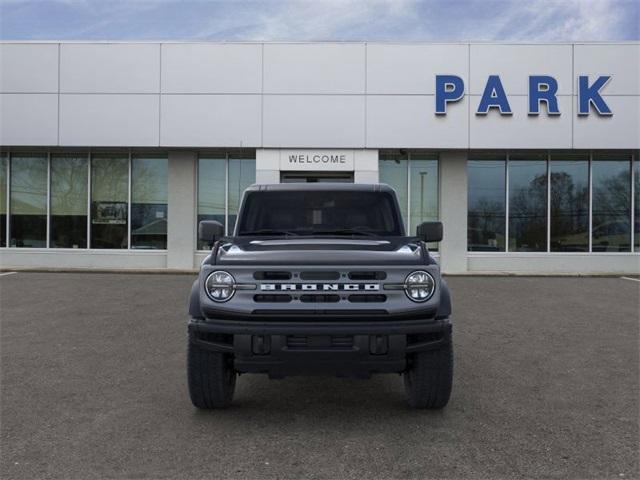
[(149, 196), (211, 191), (3, 200), (69, 179), (611, 181), (486, 204), (424, 190), (109, 197), (222, 179), (569, 203), (28, 201), (242, 174), (394, 171), (528, 203)]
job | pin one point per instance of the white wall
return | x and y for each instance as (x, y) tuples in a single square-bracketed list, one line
[(313, 95)]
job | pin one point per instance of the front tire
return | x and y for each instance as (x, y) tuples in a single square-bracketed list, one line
[(211, 377), (429, 377)]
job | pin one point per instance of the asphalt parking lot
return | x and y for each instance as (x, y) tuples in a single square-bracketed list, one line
[(93, 386)]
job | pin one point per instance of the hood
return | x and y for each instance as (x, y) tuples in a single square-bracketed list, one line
[(320, 251)]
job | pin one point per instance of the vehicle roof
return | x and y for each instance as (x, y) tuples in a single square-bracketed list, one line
[(328, 186)]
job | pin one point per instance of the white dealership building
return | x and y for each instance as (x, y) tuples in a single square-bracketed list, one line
[(110, 153)]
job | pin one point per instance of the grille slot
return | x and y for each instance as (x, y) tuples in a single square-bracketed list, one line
[(272, 275), (367, 298), (319, 298), (367, 275), (319, 275), (318, 341), (272, 298)]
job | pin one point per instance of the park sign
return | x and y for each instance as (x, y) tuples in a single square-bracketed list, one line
[(542, 90)]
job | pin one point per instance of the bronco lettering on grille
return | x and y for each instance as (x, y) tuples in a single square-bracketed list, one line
[(371, 287)]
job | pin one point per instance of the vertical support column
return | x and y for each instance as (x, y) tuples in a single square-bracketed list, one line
[(366, 166), (267, 165), (181, 217), (453, 211)]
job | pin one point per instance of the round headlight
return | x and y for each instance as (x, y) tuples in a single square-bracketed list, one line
[(220, 286), (419, 286)]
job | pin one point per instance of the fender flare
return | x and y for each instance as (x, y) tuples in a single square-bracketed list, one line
[(444, 310), (194, 301)]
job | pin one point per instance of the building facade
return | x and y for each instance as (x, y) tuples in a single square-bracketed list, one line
[(110, 153)]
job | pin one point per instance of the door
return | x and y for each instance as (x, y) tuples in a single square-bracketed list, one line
[(316, 177)]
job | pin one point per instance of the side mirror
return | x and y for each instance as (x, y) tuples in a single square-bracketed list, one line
[(209, 231), (430, 231)]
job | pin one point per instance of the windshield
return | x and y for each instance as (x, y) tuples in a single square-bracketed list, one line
[(351, 213)]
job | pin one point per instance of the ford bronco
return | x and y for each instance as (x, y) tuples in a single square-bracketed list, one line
[(319, 279)]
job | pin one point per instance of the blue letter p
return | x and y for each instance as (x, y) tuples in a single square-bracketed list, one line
[(449, 88)]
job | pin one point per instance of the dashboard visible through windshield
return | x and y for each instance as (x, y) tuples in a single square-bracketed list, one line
[(317, 213)]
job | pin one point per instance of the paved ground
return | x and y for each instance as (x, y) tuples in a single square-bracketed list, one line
[(93, 386)]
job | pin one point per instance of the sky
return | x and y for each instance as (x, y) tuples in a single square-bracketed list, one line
[(321, 20)]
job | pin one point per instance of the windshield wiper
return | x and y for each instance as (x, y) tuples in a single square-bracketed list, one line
[(345, 231), (268, 231)]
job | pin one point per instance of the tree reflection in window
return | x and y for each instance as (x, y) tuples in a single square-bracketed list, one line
[(611, 231), (527, 204), (569, 203)]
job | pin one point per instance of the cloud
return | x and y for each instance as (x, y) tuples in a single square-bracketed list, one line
[(331, 20)]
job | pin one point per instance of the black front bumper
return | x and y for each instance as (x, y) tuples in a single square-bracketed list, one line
[(350, 349)]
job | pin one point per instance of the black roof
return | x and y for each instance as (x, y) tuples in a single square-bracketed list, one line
[(322, 186)]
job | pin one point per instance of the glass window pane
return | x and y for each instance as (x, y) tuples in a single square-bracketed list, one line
[(528, 204), (424, 192), (28, 201), (3, 200), (636, 189), (149, 195), (242, 174), (211, 192), (109, 196), (69, 201), (393, 167), (569, 203), (487, 205), (611, 230)]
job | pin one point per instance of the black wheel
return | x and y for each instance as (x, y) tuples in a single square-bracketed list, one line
[(428, 378), (212, 379)]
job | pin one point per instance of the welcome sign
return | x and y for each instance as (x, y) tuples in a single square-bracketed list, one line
[(317, 160)]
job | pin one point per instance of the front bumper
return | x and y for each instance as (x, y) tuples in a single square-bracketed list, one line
[(350, 349)]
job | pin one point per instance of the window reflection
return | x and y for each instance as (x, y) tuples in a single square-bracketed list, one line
[(636, 189), (570, 203), (527, 203), (486, 200), (424, 192), (28, 201), (3, 199), (69, 201), (242, 174), (611, 230), (109, 196), (211, 191), (149, 196), (393, 170)]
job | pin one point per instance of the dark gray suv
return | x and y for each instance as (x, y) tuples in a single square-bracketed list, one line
[(319, 279)]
